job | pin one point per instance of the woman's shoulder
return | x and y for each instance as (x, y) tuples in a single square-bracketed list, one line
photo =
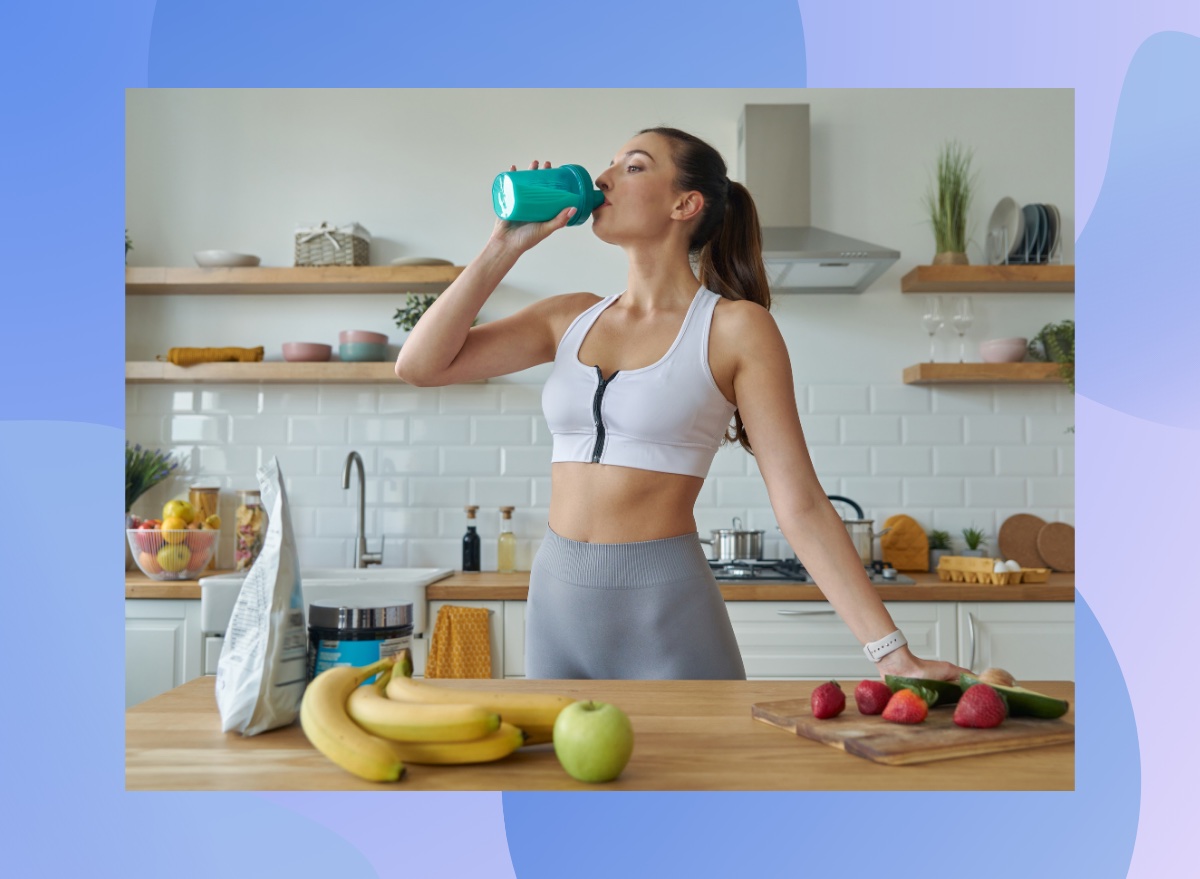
[(563, 308)]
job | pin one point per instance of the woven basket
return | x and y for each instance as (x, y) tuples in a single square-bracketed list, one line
[(327, 245)]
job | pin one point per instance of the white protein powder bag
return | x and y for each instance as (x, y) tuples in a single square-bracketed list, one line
[(263, 666)]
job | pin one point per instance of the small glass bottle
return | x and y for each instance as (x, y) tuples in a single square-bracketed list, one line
[(471, 543), (506, 543), (250, 524)]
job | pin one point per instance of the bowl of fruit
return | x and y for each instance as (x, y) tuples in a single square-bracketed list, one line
[(178, 546)]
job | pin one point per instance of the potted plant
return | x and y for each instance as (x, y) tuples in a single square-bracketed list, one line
[(939, 545), (128, 245), (416, 305), (948, 206), (974, 538), (144, 469), (1055, 343)]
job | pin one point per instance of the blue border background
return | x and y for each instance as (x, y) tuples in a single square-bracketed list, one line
[(67, 65)]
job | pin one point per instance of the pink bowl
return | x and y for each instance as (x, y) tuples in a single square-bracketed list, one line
[(306, 352), (362, 336), (1010, 350)]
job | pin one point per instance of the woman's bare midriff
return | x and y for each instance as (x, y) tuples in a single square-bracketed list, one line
[(603, 503)]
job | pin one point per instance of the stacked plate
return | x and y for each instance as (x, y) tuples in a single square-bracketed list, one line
[(1023, 235)]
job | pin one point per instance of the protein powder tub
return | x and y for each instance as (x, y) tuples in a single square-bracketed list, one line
[(339, 634)]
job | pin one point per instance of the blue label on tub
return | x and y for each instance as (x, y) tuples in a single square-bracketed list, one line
[(357, 653)]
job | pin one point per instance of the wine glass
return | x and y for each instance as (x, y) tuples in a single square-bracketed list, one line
[(933, 319), (963, 315)]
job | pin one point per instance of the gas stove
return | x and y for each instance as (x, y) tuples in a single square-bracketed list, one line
[(790, 570)]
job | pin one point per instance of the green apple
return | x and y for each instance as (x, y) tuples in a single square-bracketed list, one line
[(593, 740)]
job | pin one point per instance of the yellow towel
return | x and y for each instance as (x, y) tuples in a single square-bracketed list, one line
[(462, 646), (192, 356)]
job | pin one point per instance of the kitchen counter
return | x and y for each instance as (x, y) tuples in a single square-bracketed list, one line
[(493, 586), (689, 735)]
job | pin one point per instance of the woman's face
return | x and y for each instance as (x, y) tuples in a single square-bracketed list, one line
[(639, 190)]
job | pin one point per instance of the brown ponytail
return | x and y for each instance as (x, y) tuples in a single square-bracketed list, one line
[(727, 240)]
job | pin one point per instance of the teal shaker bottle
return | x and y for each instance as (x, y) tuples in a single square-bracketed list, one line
[(539, 194)]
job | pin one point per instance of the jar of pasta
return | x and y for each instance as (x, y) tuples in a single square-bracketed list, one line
[(250, 529)]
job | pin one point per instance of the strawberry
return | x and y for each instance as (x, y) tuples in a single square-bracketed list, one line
[(828, 700), (872, 697), (980, 706), (905, 706)]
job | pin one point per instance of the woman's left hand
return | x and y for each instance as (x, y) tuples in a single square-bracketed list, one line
[(903, 663)]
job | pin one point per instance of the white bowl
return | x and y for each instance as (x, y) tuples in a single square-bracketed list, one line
[(224, 258), (1011, 350)]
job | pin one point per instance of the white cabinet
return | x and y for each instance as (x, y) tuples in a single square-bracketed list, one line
[(514, 638), (162, 646), (808, 640), (495, 633), (1034, 640)]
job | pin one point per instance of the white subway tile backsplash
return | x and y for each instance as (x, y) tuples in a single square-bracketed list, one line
[(838, 399), (468, 461), (1066, 460), (501, 430), (963, 461), (347, 400), (387, 490), (1052, 429), (325, 552), (439, 491), (228, 460), (530, 461), (742, 491), (932, 430), (972, 399), (1052, 491), (197, 429), (164, 399), (288, 400), (317, 430), (304, 520), (821, 430), (259, 429), (383, 429), (331, 461), (342, 521), (730, 460), (439, 429), (541, 490), (145, 429), (841, 460), (408, 524), (870, 491), (293, 460), (1026, 461), (933, 492), (407, 400), (894, 460), (230, 400), (493, 492), (432, 552), (521, 398), (995, 492), (994, 429), (1026, 400), (318, 491), (899, 399), (541, 432), (469, 399), (871, 429), (420, 461)]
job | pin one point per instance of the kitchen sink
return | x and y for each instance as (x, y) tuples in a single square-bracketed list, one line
[(356, 586)]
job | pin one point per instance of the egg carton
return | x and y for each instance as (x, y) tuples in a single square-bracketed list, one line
[(969, 569)]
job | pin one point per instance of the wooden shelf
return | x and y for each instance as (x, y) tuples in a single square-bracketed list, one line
[(331, 373), (981, 373), (147, 281), (990, 279)]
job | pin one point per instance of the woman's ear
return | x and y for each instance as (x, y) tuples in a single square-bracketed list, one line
[(689, 205)]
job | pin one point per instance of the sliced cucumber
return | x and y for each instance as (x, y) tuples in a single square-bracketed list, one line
[(948, 692)]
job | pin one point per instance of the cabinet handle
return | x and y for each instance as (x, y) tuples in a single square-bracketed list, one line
[(805, 613), (971, 628)]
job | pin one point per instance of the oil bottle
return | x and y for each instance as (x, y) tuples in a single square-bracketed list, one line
[(506, 543), (470, 543)]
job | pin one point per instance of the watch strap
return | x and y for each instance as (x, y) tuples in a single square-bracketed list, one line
[(876, 650)]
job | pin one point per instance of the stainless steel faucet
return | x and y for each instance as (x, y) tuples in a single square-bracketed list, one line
[(362, 558)]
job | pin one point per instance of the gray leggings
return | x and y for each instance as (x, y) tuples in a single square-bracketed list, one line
[(650, 609)]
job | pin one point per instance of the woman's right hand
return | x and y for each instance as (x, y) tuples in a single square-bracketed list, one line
[(522, 236)]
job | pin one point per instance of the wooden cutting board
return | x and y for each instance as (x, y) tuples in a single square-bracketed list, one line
[(1056, 544), (1018, 540), (897, 744)]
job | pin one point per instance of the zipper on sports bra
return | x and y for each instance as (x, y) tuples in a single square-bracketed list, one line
[(596, 400)]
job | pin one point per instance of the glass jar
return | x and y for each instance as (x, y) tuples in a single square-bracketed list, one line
[(250, 529)]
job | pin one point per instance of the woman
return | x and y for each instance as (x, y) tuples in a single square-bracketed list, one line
[(644, 386)]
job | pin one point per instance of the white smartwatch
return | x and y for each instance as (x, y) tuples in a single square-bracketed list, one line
[(876, 650)]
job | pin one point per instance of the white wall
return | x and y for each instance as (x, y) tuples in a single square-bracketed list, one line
[(240, 169)]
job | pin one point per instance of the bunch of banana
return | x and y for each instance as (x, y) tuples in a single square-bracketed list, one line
[(325, 722), (532, 713)]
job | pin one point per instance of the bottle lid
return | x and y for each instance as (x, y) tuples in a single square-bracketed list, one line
[(507, 511), (249, 491), (471, 511), (204, 488), (330, 613)]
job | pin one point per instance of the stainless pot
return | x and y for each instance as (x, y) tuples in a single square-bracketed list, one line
[(862, 531), (735, 543)]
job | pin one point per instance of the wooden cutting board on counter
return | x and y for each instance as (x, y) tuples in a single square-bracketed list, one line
[(897, 744)]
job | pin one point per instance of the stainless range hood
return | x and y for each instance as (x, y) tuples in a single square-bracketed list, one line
[(773, 163)]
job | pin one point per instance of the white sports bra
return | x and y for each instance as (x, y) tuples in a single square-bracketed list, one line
[(669, 416)]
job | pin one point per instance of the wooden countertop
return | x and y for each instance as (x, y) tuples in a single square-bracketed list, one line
[(689, 735), (493, 586), (489, 585)]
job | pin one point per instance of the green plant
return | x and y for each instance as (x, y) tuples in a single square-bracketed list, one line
[(974, 538), (128, 245), (144, 469), (939, 539), (948, 206), (1055, 343), (416, 305)]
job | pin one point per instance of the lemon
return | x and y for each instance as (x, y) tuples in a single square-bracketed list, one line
[(174, 558), (181, 508)]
